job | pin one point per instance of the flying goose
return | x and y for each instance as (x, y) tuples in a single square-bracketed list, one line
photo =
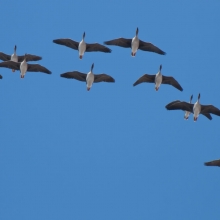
[(135, 43), (213, 163), (158, 79), (89, 78), (24, 66), (81, 46), (14, 57), (196, 108)]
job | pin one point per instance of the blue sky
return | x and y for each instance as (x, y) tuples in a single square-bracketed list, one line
[(114, 152)]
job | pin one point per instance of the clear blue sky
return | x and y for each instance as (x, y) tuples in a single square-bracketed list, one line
[(114, 152)]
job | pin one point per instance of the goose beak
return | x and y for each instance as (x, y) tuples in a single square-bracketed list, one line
[(199, 96), (15, 48), (160, 67), (84, 34), (191, 98)]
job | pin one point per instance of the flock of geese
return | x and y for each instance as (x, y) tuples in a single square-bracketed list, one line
[(16, 62)]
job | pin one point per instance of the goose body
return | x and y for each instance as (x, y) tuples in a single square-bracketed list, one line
[(82, 46), (135, 44), (24, 66), (14, 56), (196, 108), (158, 79), (89, 78)]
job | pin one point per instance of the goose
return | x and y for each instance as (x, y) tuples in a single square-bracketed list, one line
[(213, 163), (158, 79), (81, 46), (89, 78), (135, 43), (24, 66), (196, 108), (14, 57)]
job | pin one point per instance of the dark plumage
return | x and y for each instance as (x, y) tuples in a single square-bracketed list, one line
[(213, 163)]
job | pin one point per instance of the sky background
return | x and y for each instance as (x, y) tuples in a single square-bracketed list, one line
[(114, 152)]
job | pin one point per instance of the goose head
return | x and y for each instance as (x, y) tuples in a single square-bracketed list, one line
[(160, 67), (137, 32), (15, 47), (191, 99), (92, 67), (84, 34), (198, 97)]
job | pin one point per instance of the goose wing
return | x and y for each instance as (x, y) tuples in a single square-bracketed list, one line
[(37, 68), (180, 106), (74, 75), (1, 77), (67, 42), (103, 78), (29, 57), (121, 42), (170, 80), (207, 115), (10, 64), (150, 47), (97, 47), (210, 109), (213, 163), (145, 78), (4, 56), (171, 103)]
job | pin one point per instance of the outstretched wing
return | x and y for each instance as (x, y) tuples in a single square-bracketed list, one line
[(145, 78), (4, 56), (37, 68), (150, 47), (10, 64), (180, 106), (121, 42), (213, 163), (74, 75), (67, 42), (170, 80), (97, 47), (210, 109), (103, 78), (29, 57)]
